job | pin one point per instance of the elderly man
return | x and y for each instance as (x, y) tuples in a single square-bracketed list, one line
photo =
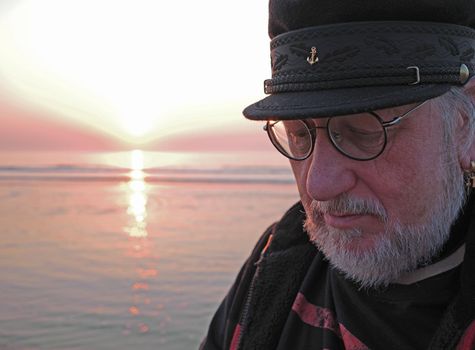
[(373, 103)]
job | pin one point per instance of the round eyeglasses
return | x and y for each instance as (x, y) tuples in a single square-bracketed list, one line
[(361, 136)]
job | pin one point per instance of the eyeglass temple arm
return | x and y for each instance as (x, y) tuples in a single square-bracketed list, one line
[(266, 126), (269, 123), (397, 120)]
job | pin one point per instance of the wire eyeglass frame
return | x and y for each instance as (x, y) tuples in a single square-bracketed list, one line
[(313, 134)]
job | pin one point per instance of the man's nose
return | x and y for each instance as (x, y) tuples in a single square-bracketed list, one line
[(330, 173)]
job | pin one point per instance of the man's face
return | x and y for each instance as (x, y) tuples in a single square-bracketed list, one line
[(377, 219)]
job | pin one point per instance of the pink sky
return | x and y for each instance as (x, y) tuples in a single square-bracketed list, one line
[(24, 129), (217, 140)]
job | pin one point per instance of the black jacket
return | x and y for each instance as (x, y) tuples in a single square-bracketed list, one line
[(256, 308)]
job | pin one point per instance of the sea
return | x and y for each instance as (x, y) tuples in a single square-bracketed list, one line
[(127, 250)]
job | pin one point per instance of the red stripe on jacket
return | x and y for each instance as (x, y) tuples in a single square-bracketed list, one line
[(320, 317), (468, 339)]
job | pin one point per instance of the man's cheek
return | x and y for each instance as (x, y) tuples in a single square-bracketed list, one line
[(300, 170)]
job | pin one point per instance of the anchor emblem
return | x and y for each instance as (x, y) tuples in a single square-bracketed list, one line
[(313, 56)]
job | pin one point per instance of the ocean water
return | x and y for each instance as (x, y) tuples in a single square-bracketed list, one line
[(131, 250)]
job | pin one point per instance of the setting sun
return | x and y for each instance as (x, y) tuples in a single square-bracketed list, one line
[(134, 69)]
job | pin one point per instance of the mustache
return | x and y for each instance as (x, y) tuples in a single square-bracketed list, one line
[(346, 205)]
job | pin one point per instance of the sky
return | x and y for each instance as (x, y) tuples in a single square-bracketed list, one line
[(130, 73)]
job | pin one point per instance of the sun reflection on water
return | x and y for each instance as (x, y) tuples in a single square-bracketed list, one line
[(137, 197), (140, 248)]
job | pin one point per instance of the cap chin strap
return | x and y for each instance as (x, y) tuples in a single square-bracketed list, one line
[(450, 262)]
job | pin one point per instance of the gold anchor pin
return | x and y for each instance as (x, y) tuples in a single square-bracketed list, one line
[(313, 56)]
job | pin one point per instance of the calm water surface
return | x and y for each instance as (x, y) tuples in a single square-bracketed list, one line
[(98, 253)]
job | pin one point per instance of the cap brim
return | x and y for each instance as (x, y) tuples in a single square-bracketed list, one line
[(324, 103)]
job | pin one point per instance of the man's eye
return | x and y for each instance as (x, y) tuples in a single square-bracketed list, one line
[(300, 134), (336, 136), (360, 132)]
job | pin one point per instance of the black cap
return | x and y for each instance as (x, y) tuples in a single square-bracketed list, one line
[(343, 57)]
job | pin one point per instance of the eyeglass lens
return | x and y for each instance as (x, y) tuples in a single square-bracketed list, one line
[(292, 138), (359, 136)]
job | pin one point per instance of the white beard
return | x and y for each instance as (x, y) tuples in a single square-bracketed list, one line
[(396, 250)]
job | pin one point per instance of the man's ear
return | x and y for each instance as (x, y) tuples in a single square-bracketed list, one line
[(466, 154)]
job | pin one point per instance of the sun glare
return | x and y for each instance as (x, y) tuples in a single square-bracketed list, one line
[(137, 160), (133, 68)]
